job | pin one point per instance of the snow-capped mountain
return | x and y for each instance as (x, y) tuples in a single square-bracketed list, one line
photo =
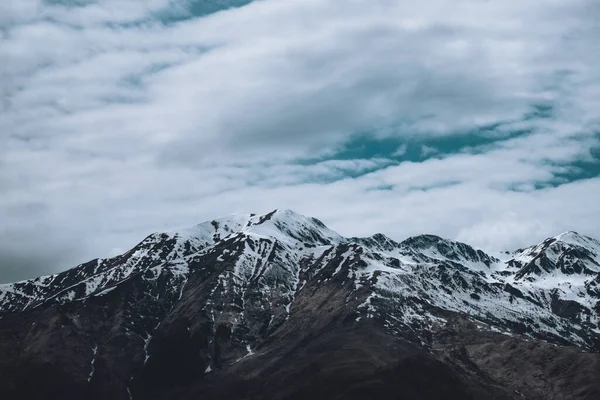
[(235, 296)]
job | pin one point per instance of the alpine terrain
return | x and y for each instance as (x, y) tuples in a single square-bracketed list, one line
[(278, 306)]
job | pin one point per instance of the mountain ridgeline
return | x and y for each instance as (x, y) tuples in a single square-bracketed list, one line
[(278, 306)]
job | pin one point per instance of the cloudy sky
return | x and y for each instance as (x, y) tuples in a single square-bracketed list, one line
[(477, 120)]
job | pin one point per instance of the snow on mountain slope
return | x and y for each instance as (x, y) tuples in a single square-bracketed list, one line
[(255, 267), (99, 274), (413, 287), (209, 232), (283, 225), (575, 239), (569, 253)]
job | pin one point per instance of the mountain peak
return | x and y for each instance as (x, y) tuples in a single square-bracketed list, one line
[(284, 225), (567, 234), (422, 241), (568, 253), (577, 239), (289, 226)]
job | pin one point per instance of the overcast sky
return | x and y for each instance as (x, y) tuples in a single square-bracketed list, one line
[(474, 120)]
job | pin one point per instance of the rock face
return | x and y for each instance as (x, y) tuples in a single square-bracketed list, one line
[(278, 306)]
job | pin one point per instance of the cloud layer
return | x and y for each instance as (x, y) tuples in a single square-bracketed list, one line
[(119, 118)]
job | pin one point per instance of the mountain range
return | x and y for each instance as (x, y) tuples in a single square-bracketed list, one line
[(278, 306)]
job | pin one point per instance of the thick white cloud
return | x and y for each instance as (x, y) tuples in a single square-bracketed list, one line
[(113, 124)]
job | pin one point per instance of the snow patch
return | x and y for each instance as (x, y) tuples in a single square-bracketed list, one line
[(93, 362)]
